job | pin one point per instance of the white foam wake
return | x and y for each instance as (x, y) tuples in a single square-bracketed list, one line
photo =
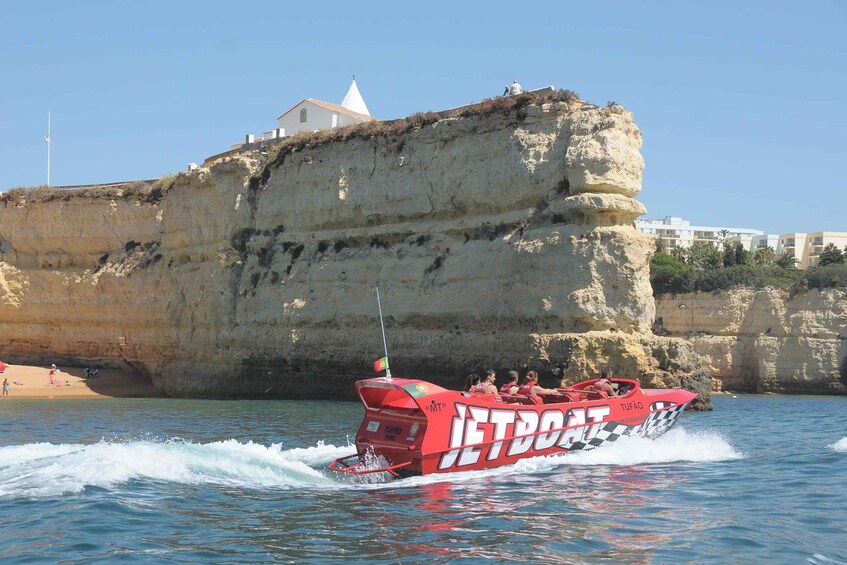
[(44, 469), (676, 446), (840, 445)]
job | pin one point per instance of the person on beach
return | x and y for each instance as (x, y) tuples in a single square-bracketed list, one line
[(604, 383), (511, 384), (52, 375), (5, 388)]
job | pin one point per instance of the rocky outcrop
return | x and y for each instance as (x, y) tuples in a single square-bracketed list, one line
[(659, 362), (765, 340), (493, 239)]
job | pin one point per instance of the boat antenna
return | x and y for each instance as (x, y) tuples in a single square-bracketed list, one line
[(384, 343)]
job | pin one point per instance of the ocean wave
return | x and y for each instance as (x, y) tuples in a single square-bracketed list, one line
[(45, 469), (840, 445)]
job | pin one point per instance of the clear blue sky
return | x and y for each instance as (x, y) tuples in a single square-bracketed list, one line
[(743, 105)]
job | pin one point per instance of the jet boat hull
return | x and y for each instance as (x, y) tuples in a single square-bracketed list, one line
[(412, 427)]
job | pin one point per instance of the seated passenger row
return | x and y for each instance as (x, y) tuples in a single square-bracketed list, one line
[(530, 386)]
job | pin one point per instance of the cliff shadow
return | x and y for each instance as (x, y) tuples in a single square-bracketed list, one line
[(117, 383)]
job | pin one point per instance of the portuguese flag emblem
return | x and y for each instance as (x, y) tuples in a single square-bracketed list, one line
[(381, 364)]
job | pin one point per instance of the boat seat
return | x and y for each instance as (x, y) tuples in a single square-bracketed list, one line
[(511, 398), (529, 400)]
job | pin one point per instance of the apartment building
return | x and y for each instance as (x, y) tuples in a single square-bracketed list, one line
[(676, 232), (807, 247)]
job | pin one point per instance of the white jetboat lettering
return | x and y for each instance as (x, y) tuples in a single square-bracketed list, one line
[(527, 424), (473, 435), (457, 432), (596, 414), (550, 420), (501, 419), (475, 425)]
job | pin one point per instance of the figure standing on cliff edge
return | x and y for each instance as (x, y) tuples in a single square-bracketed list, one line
[(513, 89)]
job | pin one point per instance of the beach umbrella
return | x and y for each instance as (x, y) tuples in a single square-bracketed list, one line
[(2, 366)]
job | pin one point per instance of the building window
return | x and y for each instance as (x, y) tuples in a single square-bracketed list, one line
[(303, 116)]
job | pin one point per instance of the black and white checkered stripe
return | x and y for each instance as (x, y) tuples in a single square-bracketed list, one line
[(658, 422)]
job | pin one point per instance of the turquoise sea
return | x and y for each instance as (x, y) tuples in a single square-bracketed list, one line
[(762, 479)]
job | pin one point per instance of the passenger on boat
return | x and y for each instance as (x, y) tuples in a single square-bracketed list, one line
[(511, 385), (486, 385), (604, 383), (530, 386), (471, 382)]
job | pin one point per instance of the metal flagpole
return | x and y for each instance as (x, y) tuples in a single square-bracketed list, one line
[(47, 139), (384, 343)]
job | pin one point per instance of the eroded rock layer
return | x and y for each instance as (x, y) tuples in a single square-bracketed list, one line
[(766, 340), (491, 238)]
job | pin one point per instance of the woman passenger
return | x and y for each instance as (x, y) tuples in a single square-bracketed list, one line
[(530, 386), (604, 383)]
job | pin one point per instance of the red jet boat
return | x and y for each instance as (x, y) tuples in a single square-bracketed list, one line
[(412, 427)]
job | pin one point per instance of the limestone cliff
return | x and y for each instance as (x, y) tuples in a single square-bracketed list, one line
[(494, 239), (766, 340)]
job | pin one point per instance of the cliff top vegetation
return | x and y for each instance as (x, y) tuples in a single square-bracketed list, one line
[(704, 268), (279, 150), (147, 192)]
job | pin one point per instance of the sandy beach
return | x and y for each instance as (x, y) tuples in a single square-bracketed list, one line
[(29, 381)]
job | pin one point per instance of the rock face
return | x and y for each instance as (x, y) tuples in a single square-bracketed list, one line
[(766, 340), (494, 239)]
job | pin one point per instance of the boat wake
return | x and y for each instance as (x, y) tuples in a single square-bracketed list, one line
[(840, 445), (43, 469), (676, 446)]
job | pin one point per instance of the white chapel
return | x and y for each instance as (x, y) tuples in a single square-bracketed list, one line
[(311, 114)]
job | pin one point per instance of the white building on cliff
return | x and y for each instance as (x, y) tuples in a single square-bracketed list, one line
[(311, 114), (806, 248), (676, 232)]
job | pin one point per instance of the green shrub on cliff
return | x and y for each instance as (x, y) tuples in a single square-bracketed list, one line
[(670, 275), (828, 276), (831, 255)]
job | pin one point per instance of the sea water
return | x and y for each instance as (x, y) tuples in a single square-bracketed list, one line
[(762, 479)]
